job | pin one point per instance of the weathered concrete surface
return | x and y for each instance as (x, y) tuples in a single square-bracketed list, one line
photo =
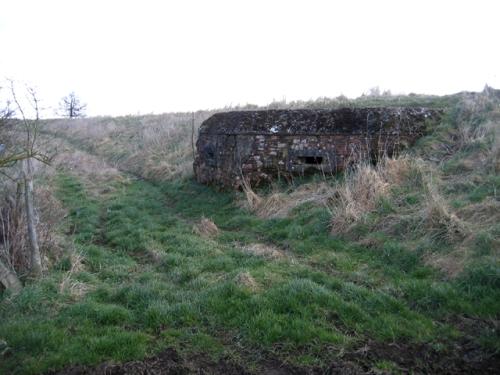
[(260, 145)]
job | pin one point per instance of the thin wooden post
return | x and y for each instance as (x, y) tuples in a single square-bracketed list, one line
[(36, 259)]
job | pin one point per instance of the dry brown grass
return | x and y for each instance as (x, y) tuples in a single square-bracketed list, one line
[(96, 175), (460, 229), (485, 213), (14, 251), (263, 250), (253, 200), (365, 185), (493, 157), (438, 218), (156, 147), (349, 201), (68, 285), (206, 228), (50, 215), (246, 279), (451, 264), (356, 197), (154, 251), (361, 189), (280, 204)]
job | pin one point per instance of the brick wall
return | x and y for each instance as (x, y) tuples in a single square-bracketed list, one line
[(225, 155), (263, 157)]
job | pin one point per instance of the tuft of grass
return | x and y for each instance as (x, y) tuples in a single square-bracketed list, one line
[(440, 222), (206, 228), (366, 188)]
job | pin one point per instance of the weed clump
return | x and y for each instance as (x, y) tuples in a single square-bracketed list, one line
[(245, 279), (439, 221), (363, 188), (206, 228), (69, 284), (356, 197), (263, 250), (279, 204)]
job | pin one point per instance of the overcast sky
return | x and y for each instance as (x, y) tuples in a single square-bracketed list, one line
[(125, 57)]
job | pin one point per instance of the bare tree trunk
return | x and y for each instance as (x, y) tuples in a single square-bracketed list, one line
[(9, 279), (192, 135), (36, 260)]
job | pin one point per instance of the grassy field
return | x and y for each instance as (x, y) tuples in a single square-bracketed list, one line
[(386, 269)]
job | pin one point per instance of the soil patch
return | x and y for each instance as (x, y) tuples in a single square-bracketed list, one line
[(167, 362), (463, 358)]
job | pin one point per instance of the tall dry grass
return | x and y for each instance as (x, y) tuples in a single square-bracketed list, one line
[(363, 186), (156, 147), (349, 199), (69, 284), (361, 192), (279, 204), (440, 222)]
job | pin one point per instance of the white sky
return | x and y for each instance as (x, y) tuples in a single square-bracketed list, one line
[(125, 57)]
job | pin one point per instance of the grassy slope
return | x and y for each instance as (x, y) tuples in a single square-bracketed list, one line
[(147, 281), (190, 292)]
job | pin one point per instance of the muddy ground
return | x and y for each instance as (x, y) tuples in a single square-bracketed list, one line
[(464, 358)]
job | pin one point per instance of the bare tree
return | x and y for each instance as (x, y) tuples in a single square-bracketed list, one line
[(71, 106), (31, 131), (8, 277), (6, 113), (25, 152)]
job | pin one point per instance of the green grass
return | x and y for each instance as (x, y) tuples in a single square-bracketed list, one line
[(149, 282), (332, 294)]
